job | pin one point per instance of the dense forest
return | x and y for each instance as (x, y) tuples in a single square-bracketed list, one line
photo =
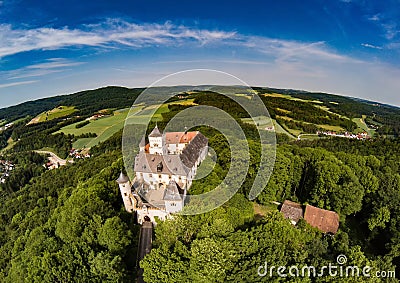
[(69, 224)]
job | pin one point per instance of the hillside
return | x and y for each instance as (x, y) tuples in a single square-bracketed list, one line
[(87, 102), (69, 224)]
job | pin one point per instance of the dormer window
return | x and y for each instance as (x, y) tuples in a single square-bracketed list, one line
[(159, 167)]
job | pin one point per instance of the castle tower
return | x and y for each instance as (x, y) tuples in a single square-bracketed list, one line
[(157, 142), (142, 144), (126, 192), (173, 198)]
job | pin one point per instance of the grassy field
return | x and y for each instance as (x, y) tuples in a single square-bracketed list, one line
[(10, 144), (293, 132), (261, 210), (103, 127), (362, 127), (263, 122), (142, 116), (185, 102), (309, 136), (291, 97), (58, 112), (280, 130), (260, 121)]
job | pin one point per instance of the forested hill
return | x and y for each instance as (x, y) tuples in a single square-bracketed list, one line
[(69, 224), (86, 101), (115, 96), (378, 113)]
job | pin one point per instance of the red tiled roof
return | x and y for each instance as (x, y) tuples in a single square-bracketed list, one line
[(325, 220), (179, 137)]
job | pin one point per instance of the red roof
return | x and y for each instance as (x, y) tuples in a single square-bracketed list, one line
[(325, 220), (179, 137)]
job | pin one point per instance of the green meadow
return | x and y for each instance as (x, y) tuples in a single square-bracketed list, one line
[(57, 112)]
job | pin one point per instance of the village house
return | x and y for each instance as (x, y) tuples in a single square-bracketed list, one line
[(359, 136), (5, 167), (292, 211), (325, 220), (164, 169)]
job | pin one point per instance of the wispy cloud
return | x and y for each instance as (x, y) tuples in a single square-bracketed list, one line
[(118, 33), (52, 65), (388, 23), (391, 30), (375, 17), (17, 83), (371, 46), (289, 49), (55, 63), (291, 55), (104, 34)]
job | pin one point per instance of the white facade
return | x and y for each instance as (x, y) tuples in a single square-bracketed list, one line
[(174, 206), (164, 170)]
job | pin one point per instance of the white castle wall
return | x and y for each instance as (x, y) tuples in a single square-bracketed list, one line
[(155, 179)]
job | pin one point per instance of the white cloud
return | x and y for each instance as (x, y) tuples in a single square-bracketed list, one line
[(106, 34), (289, 49), (17, 83), (274, 62), (375, 18), (52, 65), (371, 46), (391, 30), (114, 33)]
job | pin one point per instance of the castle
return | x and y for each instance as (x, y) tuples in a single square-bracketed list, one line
[(164, 169)]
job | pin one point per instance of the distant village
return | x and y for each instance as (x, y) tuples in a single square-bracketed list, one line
[(359, 136), (6, 126), (5, 168), (55, 162), (78, 154)]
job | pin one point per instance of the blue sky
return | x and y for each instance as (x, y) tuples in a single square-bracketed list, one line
[(348, 47)]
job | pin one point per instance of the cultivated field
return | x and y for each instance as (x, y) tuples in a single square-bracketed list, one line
[(103, 127), (57, 112), (362, 127)]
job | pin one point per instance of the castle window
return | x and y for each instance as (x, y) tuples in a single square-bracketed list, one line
[(150, 175), (159, 176), (159, 167)]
